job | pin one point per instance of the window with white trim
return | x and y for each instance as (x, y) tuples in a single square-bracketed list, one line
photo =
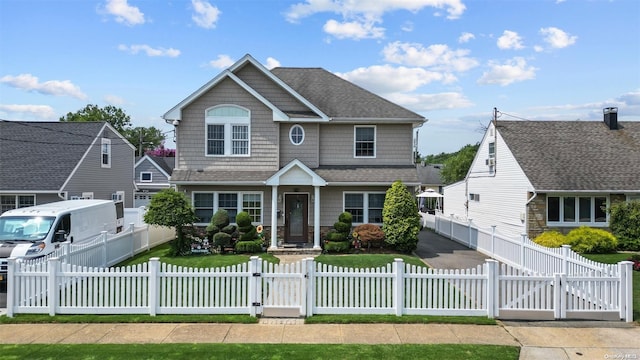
[(105, 153), (577, 210), (227, 131), (364, 141), (207, 203), (116, 196), (9, 202), (296, 134), (146, 176), (364, 207)]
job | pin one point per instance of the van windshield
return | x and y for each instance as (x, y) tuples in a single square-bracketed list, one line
[(25, 228)]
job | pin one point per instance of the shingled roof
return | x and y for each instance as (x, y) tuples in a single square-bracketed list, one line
[(575, 155), (41, 155), (339, 98)]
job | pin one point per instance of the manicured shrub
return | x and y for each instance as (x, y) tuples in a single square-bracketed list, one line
[(221, 239), (551, 239), (334, 236), (342, 227), (219, 220), (589, 240), (254, 246), (243, 219), (401, 221), (369, 234), (338, 237), (346, 217), (337, 246), (624, 222)]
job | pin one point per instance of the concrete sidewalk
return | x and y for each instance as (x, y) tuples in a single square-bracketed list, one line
[(542, 340)]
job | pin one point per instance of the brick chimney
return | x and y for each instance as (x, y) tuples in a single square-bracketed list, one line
[(611, 117)]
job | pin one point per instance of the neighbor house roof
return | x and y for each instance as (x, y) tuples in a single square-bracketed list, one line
[(575, 155), (341, 99), (429, 174)]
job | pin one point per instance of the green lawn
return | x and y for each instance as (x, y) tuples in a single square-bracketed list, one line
[(614, 259), (257, 351)]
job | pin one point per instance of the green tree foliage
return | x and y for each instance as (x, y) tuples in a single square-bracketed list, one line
[(624, 222), (144, 139), (455, 168), (171, 208), (400, 218), (111, 114)]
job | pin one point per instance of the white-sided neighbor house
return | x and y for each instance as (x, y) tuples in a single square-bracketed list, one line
[(533, 176), (294, 147), (152, 174), (43, 162)]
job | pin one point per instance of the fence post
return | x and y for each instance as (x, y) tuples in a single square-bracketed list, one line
[(11, 288), (523, 239), (255, 288), (398, 284), (565, 258), (132, 228), (626, 290), (493, 239), (469, 233), (493, 286), (559, 296), (154, 272), (52, 292), (451, 227), (310, 266), (66, 252), (104, 248)]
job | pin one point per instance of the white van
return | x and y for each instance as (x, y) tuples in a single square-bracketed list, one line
[(36, 231)]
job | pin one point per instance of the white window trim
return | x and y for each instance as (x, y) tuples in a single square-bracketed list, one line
[(296, 126), (577, 222), (144, 173), (239, 201), (375, 141), (228, 122), (107, 142), (365, 204), (118, 196), (16, 199)]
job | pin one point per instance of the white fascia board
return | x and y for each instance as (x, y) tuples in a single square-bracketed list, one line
[(155, 164)]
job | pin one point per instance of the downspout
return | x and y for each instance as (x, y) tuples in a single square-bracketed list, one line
[(526, 211)]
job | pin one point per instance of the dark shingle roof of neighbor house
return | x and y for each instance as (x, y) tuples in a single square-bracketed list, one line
[(575, 155), (339, 98), (42, 155), (164, 162), (429, 174)]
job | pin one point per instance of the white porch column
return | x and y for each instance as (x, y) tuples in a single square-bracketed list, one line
[(274, 217), (316, 217)]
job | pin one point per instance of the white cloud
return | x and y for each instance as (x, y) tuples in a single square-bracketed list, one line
[(557, 38), (221, 62), (514, 70), (39, 111), (29, 82), (437, 57), (124, 13), (353, 30), (407, 26), (206, 15), (384, 79), (114, 100), (134, 49), (431, 102), (272, 63), (465, 37), (510, 40)]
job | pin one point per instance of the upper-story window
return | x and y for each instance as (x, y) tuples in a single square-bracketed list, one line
[(146, 176), (228, 130), (364, 141), (105, 152), (296, 134)]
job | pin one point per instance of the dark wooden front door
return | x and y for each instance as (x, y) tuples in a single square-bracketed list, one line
[(296, 218)]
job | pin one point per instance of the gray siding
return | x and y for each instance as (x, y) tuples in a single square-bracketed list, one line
[(103, 182), (191, 134), (307, 152), (394, 145), (157, 177)]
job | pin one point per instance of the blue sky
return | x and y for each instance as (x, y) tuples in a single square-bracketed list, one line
[(452, 61)]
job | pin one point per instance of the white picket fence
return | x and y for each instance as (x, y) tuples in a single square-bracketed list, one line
[(306, 288)]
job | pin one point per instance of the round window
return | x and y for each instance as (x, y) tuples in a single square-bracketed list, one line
[(296, 134)]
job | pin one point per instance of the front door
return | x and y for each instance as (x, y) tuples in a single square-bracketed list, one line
[(296, 217)]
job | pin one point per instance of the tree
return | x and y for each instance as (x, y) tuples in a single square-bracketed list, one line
[(111, 114), (455, 168), (171, 208), (144, 139), (624, 222), (400, 218)]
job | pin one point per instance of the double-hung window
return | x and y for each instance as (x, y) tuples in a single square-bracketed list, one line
[(577, 210), (228, 131), (365, 207), (8, 202), (105, 153), (208, 203), (364, 141)]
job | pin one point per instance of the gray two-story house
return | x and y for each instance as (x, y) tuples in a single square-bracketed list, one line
[(43, 162), (293, 147)]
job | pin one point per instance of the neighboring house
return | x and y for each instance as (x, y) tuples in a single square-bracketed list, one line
[(533, 176), (294, 147), (43, 162), (429, 177), (152, 175)]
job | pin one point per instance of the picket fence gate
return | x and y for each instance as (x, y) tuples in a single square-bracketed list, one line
[(305, 288)]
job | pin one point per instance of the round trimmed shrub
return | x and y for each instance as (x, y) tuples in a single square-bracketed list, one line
[(254, 246), (346, 217), (337, 246), (342, 227), (243, 219), (551, 239), (221, 239), (336, 236), (589, 240)]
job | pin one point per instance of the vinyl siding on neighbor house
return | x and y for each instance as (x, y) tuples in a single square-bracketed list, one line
[(157, 177)]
